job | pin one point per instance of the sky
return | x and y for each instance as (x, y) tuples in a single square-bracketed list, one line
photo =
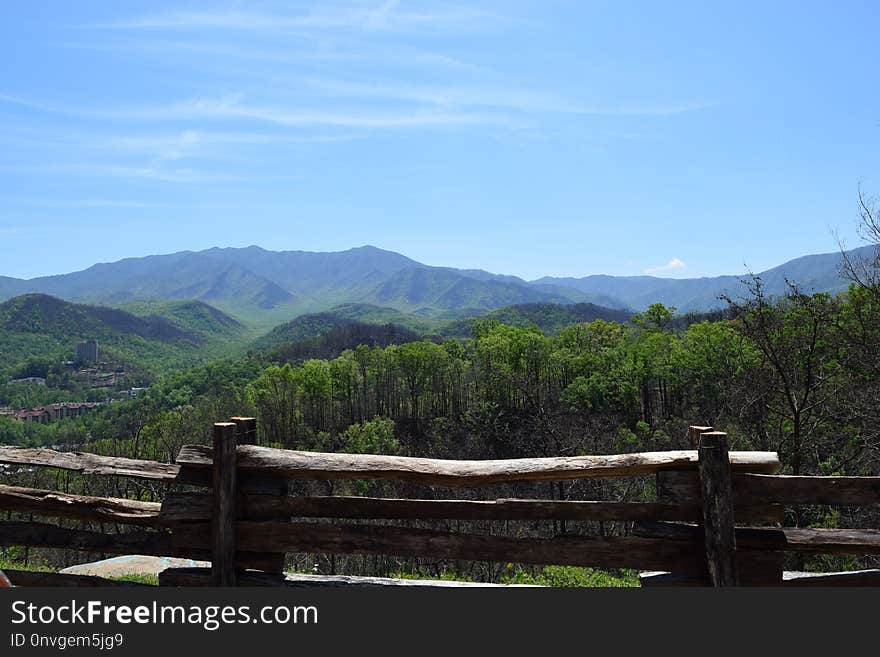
[(529, 138)]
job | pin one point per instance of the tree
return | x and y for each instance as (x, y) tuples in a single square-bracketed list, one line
[(799, 366)]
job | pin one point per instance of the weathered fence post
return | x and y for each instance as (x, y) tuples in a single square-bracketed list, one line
[(718, 521), (224, 490), (246, 434), (694, 434), (245, 430)]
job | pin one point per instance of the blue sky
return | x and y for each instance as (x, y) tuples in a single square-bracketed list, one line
[(530, 138)]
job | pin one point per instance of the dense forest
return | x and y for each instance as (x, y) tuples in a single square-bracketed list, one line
[(798, 374)]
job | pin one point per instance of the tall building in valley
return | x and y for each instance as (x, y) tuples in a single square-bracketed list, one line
[(87, 352)]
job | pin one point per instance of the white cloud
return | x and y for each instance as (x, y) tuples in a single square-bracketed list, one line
[(672, 265)]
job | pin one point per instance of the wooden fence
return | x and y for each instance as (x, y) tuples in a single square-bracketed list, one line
[(245, 522)]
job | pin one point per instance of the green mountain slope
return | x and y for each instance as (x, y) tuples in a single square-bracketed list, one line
[(336, 340), (431, 291), (370, 314), (41, 326), (549, 317), (195, 317), (314, 325)]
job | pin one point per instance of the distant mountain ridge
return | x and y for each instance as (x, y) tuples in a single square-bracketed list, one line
[(265, 288), (812, 273)]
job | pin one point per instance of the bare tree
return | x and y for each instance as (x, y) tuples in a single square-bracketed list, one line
[(865, 272)]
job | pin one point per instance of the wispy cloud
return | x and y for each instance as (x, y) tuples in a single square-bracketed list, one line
[(385, 17), (147, 172), (233, 108), (441, 106), (95, 203), (24, 102), (25, 230), (318, 51), (673, 265)]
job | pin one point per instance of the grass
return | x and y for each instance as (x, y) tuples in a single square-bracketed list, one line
[(571, 576), (445, 576), (150, 580), (9, 564), (555, 576)]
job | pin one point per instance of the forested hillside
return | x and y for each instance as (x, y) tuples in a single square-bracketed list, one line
[(549, 317), (41, 328)]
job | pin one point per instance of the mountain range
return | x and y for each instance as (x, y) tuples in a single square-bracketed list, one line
[(263, 288)]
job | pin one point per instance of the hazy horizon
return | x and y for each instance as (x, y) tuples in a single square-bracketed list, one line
[(744, 271)]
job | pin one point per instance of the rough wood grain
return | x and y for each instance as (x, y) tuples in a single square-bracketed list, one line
[(79, 507), (183, 507), (89, 464), (152, 543), (694, 435), (681, 487), (62, 580), (248, 482), (718, 521), (439, 472), (246, 434), (223, 526), (34, 534), (607, 552), (786, 489), (818, 541), (202, 577), (245, 430)]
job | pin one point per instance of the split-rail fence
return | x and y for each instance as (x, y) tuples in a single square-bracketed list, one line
[(716, 521)]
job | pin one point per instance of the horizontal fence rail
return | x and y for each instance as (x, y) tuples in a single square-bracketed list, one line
[(609, 552), (819, 541), (749, 489), (183, 507), (442, 472), (89, 464), (80, 507)]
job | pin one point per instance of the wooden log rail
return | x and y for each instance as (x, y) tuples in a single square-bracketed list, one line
[(750, 489), (441, 472), (89, 464), (152, 543), (80, 507), (188, 507), (789, 539), (612, 552)]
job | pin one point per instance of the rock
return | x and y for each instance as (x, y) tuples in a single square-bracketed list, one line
[(132, 565)]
